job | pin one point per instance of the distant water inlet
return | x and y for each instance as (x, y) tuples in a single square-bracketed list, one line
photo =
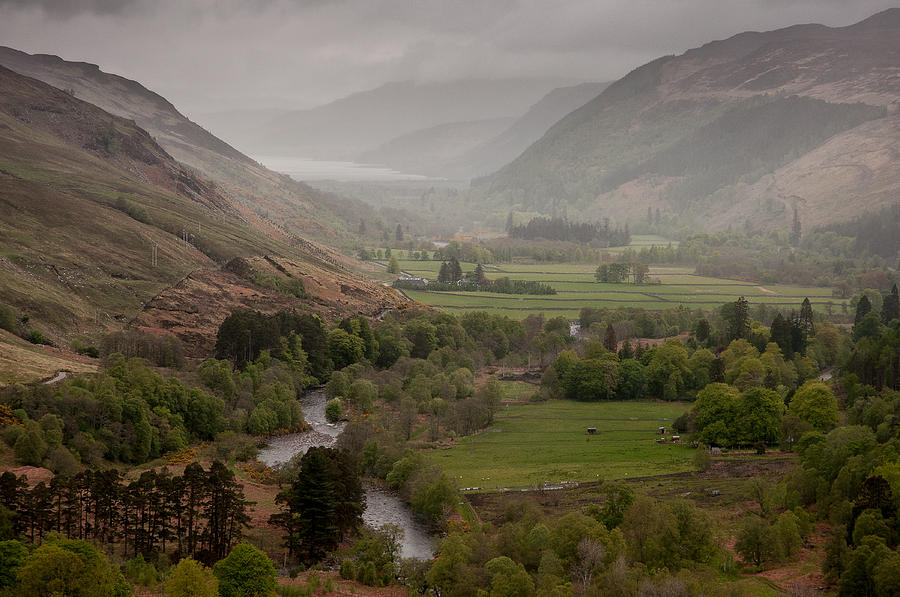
[(308, 170), (382, 506)]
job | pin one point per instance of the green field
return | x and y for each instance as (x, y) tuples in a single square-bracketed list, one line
[(548, 441), (576, 288)]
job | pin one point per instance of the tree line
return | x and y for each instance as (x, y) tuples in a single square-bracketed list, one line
[(619, 272), (200, 513), (562, 229)]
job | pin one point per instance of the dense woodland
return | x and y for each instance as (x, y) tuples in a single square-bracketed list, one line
[(562, 229), (408, 383)]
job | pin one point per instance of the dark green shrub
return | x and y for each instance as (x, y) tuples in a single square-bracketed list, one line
[(348, 569), (366, 574), (89, 351), (36, 337), (140, 572), (333, 410)]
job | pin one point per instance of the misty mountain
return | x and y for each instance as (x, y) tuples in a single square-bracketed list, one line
[(463, 150), (429, 151), (736, 130), (507, 146), (261, 192), (360, 122), (237, 126)]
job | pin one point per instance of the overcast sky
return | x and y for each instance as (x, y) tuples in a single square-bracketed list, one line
[(209, 55)]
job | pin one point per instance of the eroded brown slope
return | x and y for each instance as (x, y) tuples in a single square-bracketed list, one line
[(194, 308)]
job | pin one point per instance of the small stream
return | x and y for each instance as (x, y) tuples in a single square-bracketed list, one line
[(382, 506)]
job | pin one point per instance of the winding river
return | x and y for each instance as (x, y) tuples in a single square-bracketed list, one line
[(382, 506)]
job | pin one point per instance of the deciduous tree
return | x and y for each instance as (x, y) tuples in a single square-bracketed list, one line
[(246, 572)]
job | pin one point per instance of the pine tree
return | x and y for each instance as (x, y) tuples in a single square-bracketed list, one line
[(368, 338), (455, 270), (313, 499), (398, 233), (701, 334), (362, 227), (225, 510), (351, 497), (799, 336), (444, 273), (609, 338), (194, 494), (780, 333), (324, 503), (806, 316), (737, 314), (863, 308), (717, 371), (479, 273)]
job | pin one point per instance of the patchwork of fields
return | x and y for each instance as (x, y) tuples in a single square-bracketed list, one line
[(548, 441), (576, 288)]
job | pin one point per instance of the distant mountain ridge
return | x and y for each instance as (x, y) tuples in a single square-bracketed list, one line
[(713, 136), (461, 151), (507, 146), (360, 122)]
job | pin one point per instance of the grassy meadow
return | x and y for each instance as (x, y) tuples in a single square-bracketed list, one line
[(548, 441), (576, 287)]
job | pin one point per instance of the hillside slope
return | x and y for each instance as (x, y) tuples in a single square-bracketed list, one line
[(736, 131), (96, 219), (257, 192)]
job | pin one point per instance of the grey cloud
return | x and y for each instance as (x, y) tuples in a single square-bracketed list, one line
[(219, 54), (67, 8)]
